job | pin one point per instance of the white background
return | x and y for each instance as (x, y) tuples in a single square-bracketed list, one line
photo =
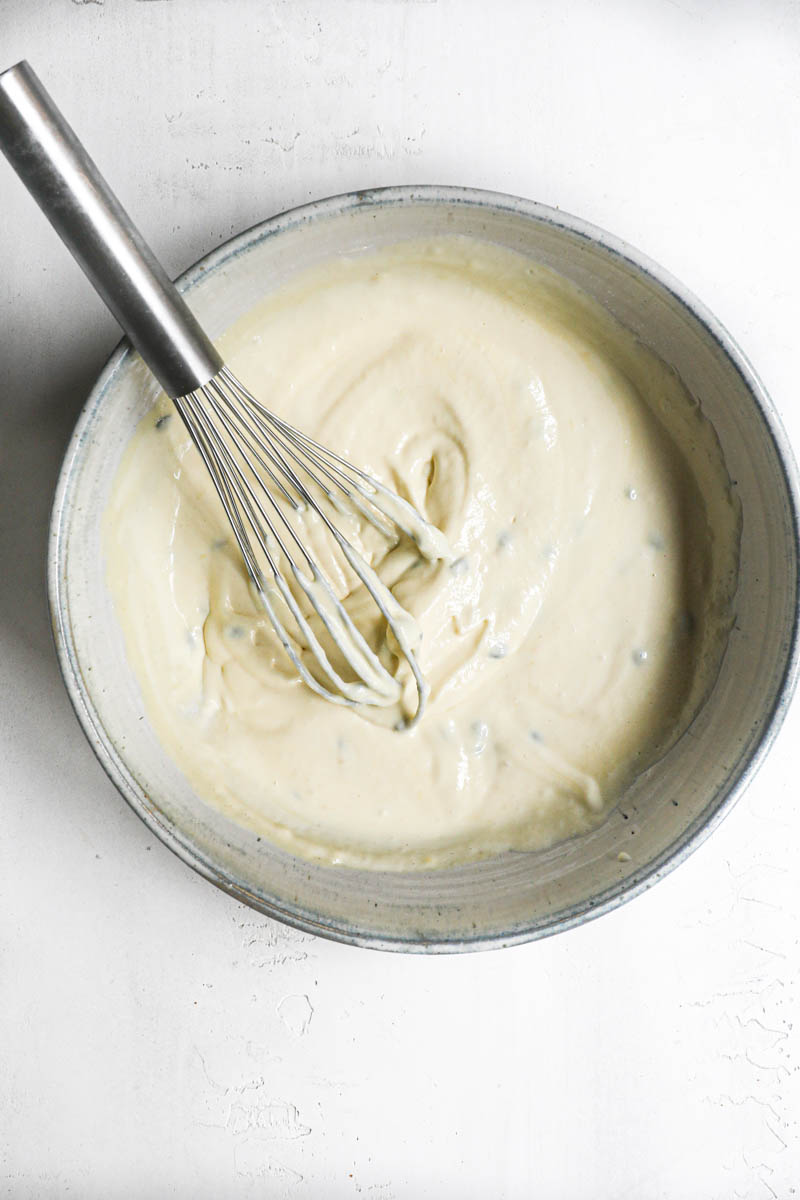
[(157, 1038)]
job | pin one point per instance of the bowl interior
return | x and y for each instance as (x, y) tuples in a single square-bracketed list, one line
[(515, 896)]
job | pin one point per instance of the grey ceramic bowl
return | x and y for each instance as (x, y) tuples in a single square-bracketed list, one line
[(670, 809)]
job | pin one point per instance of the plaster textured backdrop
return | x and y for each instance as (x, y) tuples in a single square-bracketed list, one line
[(156, 1038)]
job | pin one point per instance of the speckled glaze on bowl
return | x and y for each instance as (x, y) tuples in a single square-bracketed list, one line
[(670, 809)]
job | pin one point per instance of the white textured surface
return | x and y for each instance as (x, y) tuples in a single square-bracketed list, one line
[(156, 1039)]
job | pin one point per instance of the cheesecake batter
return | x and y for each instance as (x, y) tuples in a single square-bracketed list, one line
[(567, 639)]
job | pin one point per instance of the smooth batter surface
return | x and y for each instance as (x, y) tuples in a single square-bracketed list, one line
[(567, 644)]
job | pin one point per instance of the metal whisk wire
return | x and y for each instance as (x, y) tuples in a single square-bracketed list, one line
[(238, 438)]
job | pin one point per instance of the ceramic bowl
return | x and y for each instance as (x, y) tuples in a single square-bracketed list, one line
[(514, 897)]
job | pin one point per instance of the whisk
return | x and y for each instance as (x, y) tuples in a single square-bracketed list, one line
[(259, 464)]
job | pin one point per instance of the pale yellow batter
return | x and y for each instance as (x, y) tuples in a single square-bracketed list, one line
[(569, 642)]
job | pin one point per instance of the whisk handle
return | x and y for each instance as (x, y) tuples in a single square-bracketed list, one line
[(67, 186)]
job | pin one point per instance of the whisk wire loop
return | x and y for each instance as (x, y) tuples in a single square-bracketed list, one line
[(248, 452)]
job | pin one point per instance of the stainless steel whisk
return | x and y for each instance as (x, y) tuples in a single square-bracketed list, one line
[(258, 462)]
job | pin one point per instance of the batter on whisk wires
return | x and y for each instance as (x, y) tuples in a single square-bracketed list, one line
[(268, 477)]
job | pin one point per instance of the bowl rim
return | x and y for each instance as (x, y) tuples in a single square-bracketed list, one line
[(689, 839)]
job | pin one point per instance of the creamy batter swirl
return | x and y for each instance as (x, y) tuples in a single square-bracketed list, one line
[(567, 641)]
